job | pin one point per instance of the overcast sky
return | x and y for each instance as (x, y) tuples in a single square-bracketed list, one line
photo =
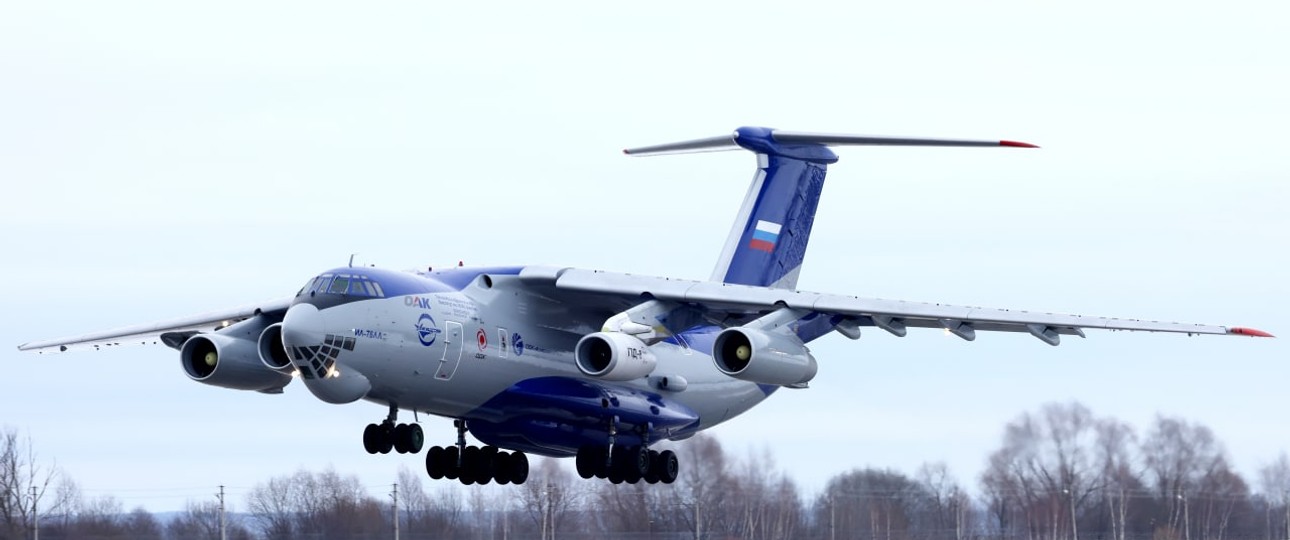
[(163, 159)]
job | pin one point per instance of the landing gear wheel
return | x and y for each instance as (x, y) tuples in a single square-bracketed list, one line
[(640, 460), (471, 466), (371, 436), (617, 471), (400, 438), (652, 476), (415, 439), (668, 466), (502, 468), (434, 463), (519, 471), (385, 442), (485, 465), (448, 462), (408, 438), (598, 466), (585, 461)]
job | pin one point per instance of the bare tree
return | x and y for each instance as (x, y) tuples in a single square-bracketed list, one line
[(548, 497), (201, 521), (1045, 471), (1274, 481), (1119, 478), (24, 485), (141, 525)]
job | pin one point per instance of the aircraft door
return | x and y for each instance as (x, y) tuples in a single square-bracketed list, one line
[(451, 351)]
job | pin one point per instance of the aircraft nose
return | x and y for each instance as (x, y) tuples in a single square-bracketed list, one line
[(302, 327)]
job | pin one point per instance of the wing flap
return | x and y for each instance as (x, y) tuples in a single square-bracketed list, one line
[(151, 333)]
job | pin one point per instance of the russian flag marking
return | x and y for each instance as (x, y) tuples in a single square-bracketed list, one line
[(765, 236)]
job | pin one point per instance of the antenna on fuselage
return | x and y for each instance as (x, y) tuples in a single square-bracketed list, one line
[(351, 259)]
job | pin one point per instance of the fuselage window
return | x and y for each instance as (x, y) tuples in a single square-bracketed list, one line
[(371, 288), (380, 293), (339, 285)]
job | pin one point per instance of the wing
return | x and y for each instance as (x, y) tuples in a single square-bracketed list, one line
[(736, 303), (172, 332)]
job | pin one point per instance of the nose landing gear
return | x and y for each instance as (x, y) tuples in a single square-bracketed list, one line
[(386, 436)]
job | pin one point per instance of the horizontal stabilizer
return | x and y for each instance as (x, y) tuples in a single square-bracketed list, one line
[(731, 142)]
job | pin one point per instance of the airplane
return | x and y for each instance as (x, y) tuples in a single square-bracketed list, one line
[(568, 362)]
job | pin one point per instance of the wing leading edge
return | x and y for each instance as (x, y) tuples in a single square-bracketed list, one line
[(894, 316), (153, 332)]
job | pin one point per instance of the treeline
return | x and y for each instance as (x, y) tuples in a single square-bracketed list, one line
[(1060, 473)]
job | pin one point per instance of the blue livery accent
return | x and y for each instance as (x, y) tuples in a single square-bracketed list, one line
[(554, 416), (783, 200), (458, 278)]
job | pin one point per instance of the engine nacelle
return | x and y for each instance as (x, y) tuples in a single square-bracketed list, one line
[(229, 362), (760, 357), (614, 356), (272, 353)]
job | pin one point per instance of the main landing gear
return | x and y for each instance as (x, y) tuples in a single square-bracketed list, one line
[(629, 464), (386, 436), (474, 464)]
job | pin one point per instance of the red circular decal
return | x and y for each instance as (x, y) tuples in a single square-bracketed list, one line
[(481, 337)]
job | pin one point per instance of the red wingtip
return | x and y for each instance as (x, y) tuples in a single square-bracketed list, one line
[(1248, 332), (1016, 144)]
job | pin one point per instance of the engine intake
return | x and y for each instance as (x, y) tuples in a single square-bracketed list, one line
[(229, 362), (761, 357), (614, 356), (272, 353)]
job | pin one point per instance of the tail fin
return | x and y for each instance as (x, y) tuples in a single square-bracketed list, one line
[(768, 241)]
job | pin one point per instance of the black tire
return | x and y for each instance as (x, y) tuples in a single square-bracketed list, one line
[(370, 438), (385, 442), (668, 466), (448, 461), (639, 460), (652, 476), (434, 463), (519, 468), (416, 439), (473, 467), (633, 462), (502, 468), (598, 466), (585, 461), (399, 438), (617, 465)]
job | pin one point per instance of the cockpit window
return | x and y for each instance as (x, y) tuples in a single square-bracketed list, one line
[(357, 285)]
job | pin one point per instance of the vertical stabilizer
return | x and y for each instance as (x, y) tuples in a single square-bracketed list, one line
[(768, 240)]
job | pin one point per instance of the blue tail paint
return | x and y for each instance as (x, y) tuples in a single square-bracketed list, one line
[(768, 241)]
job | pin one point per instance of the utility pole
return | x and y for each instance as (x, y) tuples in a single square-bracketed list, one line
[(394, 509), (222, 522), (35, 517), (1074, 530), (833, 514)]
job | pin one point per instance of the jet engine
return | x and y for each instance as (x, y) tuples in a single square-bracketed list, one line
[(761, 357), (614, 356), (229, 362), (272, 353)]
